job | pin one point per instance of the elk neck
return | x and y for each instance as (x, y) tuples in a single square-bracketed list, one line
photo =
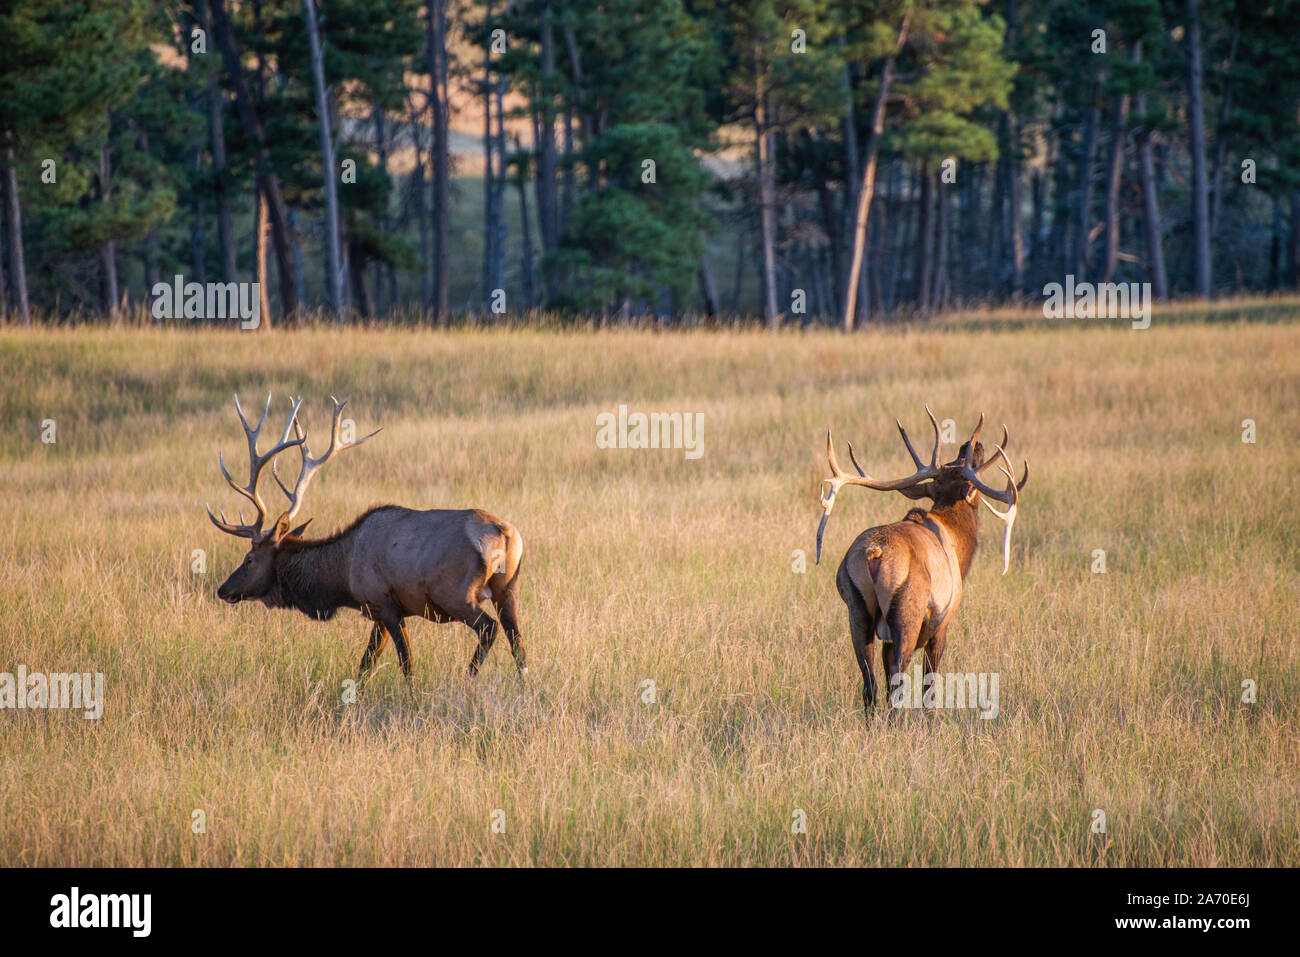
[(962, 522), (313, 576)]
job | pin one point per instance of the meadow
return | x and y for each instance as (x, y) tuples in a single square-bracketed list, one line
[(1121, 691)]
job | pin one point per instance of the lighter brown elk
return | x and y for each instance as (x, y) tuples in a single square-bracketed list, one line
[(390, 563), (902, 582)]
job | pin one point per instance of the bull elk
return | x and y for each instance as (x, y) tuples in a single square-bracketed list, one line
[(902, 582), (390, 562)]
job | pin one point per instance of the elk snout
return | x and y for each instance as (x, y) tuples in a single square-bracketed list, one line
[(227, 593)]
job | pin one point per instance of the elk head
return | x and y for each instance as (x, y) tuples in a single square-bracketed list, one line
[(254, 578), (945, 485)]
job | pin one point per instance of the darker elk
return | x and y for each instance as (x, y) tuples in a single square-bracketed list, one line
[(902, 582), (390, 563)]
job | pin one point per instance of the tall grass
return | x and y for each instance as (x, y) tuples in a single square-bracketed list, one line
[(1120, 691)]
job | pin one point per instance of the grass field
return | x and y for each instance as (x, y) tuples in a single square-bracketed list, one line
[(1119, 691)]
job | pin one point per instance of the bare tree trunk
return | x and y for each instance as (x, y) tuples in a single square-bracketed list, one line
[(1083, 187), (417, 197), (1118, 136), (737, 284), (17, 263), (334, 281), (868, 186), (108, 252), (268, 182), (489, 192), (925, 240), (1155, 255), (938, 299), (1293, 242), (1196, 109), (1221, 140), (1015, 231), (4, 218), (217, 133), (440, 161), (547, 213), (526, 253), (499, 198), (708, 289), (261, 226), (766, 196), (567, 187)]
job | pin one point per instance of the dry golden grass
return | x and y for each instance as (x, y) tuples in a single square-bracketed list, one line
[(1119, 691)]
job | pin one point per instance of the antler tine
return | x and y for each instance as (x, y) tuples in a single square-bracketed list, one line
[(916, 459), (1008, 518), (230, 528), (310, 465), (854, 458), (256, 462), (934, 455), (839, 478), (993, 458), (976, 434), (971, 476)]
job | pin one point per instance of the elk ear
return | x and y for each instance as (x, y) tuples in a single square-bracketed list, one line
[(297, 532), (281, 530)]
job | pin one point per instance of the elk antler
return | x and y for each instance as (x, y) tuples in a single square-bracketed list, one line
[(256, 463), (310, 465), (1010, 497), (909, 486)]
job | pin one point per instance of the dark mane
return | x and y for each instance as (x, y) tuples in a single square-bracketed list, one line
[(301, 544)]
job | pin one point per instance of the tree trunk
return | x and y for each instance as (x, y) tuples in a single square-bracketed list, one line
[(766, 196), (17, 263), (526, 253), (217, 133), (1155, 255), (925, 240), (499, 199), (329, 173), (1118, 135), (868, 186), (417, 198), (939, 297), (1196, 111), (1221, 140), (261, 226), (1293, 242), (440, 161), (268, 182), (737, 285), (1083, 187), (708, 289), (546, 185), (108, 252)]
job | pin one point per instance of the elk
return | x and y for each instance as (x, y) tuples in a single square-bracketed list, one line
[(902, 582), (390, 563)]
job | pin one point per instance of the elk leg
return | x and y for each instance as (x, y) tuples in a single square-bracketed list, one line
[(396, 629), (933, 653), (934, 650), (904, 620), (378, 638), (507, 610), (485, 626), (862, 629)]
